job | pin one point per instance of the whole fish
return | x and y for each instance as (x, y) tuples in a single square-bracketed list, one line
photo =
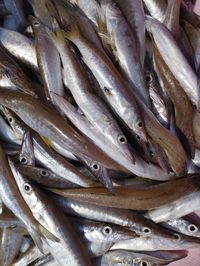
[(112, 85), (125, 218), (50, 217), (91, 105), (135, 198)]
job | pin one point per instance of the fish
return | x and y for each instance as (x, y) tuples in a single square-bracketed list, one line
[(184, 226), (136, 198), (48, 59), (176, 209), (86, 99), (169, 241), (172, 18), (135, 15), (45, 177), (112, 85), (184, 111), (124, 47)]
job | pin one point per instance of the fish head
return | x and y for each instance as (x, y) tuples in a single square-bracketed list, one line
[(25, 186)]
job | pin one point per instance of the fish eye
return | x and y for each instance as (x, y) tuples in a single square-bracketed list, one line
[(107, 230), (146, 230), (43, 173), (27, 188), (140, 124), (23, 160), (144, 263), (138, 137), (122, 139), (148, 78), (107, 91), (177, 237), (10, 119), (36, 23), (95, 167), (192, 228)]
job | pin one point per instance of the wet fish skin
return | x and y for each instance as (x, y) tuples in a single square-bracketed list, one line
[(175, 210), (10, 245), (124, 257), (13, 75), (134, 13), (15, 7), (169, 241), (172, 18), (182, 71)]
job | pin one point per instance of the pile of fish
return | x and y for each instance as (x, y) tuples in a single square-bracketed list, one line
[(99, 132)]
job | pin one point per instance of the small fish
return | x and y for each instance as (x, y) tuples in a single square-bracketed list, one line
[(136, 198)]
